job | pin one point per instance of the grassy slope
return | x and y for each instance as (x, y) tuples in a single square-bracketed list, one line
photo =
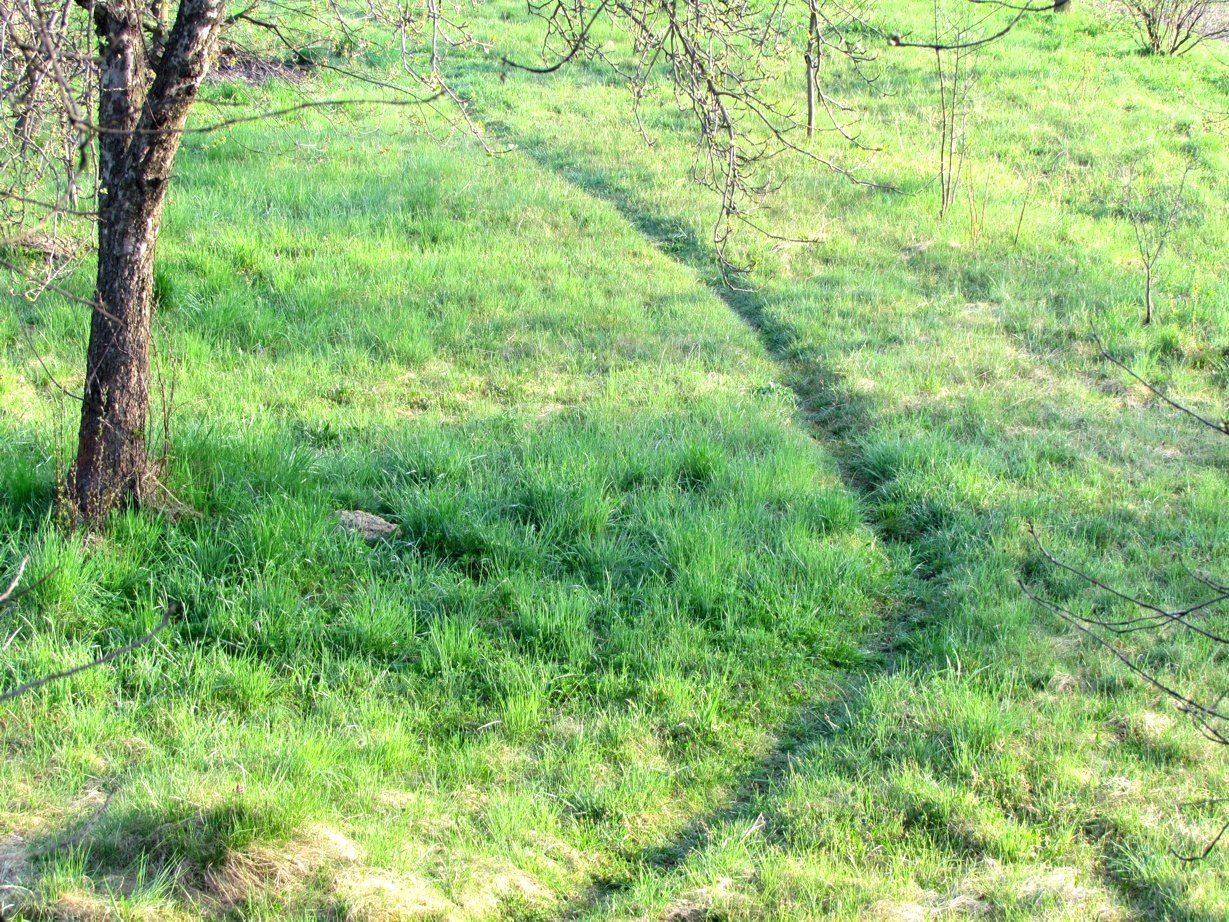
[(623, 565), (612, 669), (1002, 765)]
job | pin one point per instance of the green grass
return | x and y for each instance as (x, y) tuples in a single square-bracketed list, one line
[(705, 602)]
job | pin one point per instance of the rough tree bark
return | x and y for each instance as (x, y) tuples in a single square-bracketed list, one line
[(140, 125)]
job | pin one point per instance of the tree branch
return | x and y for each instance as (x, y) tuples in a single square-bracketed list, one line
[(171, 610)]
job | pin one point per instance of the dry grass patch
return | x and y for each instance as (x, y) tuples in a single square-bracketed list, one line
[(501, 886), (382, 896), (278, 871)]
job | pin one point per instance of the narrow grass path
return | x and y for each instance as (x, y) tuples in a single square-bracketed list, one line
[(966, 768), (837, 419)]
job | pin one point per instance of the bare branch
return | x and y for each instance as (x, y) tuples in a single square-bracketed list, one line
[(1222, 426), (7, 595), (1207, 849), (171, 610)]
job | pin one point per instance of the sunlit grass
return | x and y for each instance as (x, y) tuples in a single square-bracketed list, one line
[(704, 603)]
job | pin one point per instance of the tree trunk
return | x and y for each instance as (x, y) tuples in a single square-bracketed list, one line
[(1147, 294), (812, 65), (139, 135), (110, 469)]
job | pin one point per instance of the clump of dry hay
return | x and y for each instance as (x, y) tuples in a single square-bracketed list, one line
[(332, 861), (386, 897), (88, 906), (278, 870), (503, 885), (979, 896), (79, 907), (16, 872), (893, 911), (713, 901)]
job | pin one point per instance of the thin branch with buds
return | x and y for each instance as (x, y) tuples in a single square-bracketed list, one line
[(1208, 713)]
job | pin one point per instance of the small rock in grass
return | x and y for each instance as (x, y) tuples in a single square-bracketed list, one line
[(371, 528)]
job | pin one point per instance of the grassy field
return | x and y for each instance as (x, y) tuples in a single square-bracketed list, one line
[(706, 602)]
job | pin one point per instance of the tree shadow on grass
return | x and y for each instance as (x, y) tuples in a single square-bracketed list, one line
[(837, 415), (841, 419), (29, 495), (181, 833), (823, 398), (131, 850)]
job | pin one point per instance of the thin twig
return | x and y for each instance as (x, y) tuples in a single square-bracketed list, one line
[(171, 610), (1222, 427)]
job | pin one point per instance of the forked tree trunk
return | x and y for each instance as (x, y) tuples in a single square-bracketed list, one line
[(139, 134), (110, 465)]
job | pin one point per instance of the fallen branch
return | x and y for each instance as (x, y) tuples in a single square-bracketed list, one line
[(171, 610), (1222, 427)]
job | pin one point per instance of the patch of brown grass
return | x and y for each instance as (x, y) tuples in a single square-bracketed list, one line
[(16, 873), (278, 871), (498, 886), (381, 896)]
